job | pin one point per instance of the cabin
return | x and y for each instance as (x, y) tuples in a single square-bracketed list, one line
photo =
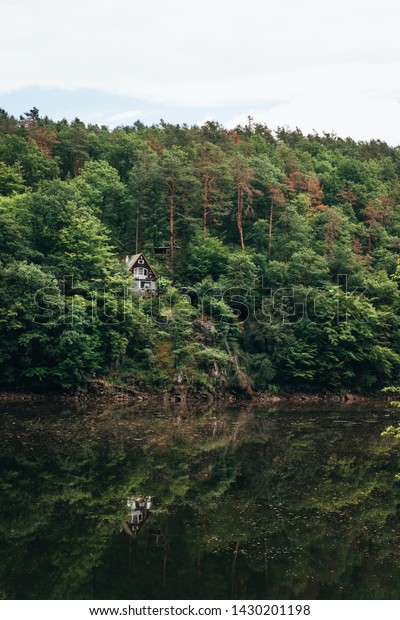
[(165, 249), (144, 276)]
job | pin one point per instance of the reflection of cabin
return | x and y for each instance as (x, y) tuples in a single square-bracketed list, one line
[(145, 278), (140, 512)]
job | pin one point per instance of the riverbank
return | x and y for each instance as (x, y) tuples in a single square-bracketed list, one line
[(104, 391)]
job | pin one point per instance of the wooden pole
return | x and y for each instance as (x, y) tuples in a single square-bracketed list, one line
[(240, 216), (205, 204), (137, 232), (271, 213), (171, 227)]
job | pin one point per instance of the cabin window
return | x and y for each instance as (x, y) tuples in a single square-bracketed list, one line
[(140, 261), (140, 271), (137, 516)]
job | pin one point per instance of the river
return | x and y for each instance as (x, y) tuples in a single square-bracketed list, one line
[(248, 502)]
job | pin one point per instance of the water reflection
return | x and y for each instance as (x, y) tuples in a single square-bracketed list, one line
[(251, 503), (140, 511)]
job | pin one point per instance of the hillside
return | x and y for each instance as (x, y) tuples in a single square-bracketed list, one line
[(283, 276)]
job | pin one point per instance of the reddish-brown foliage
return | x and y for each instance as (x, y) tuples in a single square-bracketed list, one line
[(332, 231), (347, 195), (315, 193), (295, 181)]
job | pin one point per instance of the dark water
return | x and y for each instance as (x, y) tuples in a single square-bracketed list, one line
[(251, 503)]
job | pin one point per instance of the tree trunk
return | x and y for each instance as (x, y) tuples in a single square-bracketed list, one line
[(271, 215), (234, 571), (205, 203), (137, 230), (165, 555), (240, 216), (266, 565), (171, 226)]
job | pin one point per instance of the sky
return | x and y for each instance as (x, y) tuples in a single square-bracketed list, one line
[(313, 64)]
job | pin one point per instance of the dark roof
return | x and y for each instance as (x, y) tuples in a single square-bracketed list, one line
[(132, 260)]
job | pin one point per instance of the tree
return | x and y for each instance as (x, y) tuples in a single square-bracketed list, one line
[(39, 132), (83, 250), (213, 169), (47, 212), (269, 176), (34, 165), (15, 230), (277, 199), (149, 195), (73, 146), (245, 191), (101, 189), (124, 151), (36, 342), (11, 180), (177, 174), (206, 256)]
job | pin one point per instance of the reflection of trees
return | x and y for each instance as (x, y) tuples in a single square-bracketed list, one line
[(250, 504)]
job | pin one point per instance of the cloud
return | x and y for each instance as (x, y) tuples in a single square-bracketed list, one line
[(155, 48), (360, 118), (212, 54), (117, 119)]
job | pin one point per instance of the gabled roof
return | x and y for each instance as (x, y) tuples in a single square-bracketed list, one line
[(132, 260)]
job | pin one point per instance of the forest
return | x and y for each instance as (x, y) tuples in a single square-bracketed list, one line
[(281, 276)]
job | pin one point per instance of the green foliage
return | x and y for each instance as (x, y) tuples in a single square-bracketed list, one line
[(82, 248), (282, 278), (25, 156), (206, 256), (11, 180), (15, 232), (100, 187)]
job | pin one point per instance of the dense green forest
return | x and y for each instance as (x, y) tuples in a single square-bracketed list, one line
[(282, 275)]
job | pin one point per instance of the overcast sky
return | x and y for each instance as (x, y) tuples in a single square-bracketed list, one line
[(318, 65)]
